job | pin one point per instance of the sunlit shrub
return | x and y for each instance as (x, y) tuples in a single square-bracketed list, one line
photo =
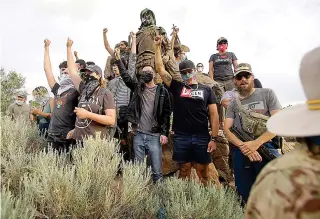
[(87, 184)]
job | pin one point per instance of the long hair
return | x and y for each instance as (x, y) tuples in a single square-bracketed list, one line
[(103, 82)]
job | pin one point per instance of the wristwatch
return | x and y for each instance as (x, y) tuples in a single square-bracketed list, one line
[(214, 138)]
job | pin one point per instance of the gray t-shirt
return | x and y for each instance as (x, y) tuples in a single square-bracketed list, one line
[(263, 100), (147, 120), (222, 65)]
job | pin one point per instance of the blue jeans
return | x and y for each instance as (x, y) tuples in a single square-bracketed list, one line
[(245, 173), (145, 143)]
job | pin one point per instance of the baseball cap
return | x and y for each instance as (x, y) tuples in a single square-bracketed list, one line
[(93, 68), (221, 39), (243, 67), (186, 65), (200, 65)]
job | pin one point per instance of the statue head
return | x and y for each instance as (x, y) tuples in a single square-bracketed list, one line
[(147, 18)]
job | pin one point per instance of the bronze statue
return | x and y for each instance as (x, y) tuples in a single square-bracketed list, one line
[(146, 48)]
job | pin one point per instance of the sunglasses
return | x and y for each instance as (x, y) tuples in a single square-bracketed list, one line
[(245, 75), (147, 72), (199, 66)]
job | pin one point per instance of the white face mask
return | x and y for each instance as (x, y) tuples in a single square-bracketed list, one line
[(200, 69), (19, 102)]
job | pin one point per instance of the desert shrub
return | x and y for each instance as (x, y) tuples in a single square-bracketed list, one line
[(17, 139), (49, 185), (15, 208), (193, 200)]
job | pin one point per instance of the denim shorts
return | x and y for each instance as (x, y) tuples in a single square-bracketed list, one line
[(191, 148)]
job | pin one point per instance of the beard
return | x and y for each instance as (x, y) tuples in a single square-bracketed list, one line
[(245, 88)]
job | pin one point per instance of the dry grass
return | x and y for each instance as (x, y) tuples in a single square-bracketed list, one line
[(38, 184)]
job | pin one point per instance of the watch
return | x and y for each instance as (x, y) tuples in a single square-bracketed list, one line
[(214, 138)]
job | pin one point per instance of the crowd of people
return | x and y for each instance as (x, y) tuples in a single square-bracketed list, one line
[(150, 88)]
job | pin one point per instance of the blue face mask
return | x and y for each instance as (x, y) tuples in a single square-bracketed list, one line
[(315, 139)]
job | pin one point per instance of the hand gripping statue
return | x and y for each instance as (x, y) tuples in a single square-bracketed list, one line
[(145, 45)]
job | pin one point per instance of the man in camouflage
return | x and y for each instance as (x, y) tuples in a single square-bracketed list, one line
[(289, 187)]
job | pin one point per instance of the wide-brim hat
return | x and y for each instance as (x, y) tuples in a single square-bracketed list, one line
[(302, 120)]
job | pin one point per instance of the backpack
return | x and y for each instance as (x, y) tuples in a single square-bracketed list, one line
[(252, 122)]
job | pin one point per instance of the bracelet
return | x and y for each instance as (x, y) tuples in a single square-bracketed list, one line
[(214, 138)]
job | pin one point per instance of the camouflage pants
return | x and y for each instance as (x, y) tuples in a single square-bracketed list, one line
[(226, 85)]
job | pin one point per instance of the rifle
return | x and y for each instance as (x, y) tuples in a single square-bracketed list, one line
[(262, 150)]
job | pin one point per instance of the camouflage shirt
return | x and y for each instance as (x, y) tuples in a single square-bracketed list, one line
[(287, 188)]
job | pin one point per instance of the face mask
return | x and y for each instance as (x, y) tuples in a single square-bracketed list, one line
[(188, 78), (65, 80), (19, 102), (183, 58), (87, 78), (146, 76), (222, 47)]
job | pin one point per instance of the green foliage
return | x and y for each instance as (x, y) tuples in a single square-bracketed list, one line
[(11, 82), (86, 185), (34, 104)]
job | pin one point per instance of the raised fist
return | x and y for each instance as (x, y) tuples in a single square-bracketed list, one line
[(132, 34), (47, 43), (69, 42), (105, 30), (117, 53), (75, 53), (175, 31)]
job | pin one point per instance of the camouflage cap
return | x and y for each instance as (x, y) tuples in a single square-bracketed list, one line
[(243, 67), (22, 94), (221, 39)]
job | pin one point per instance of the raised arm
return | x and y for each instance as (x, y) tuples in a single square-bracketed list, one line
[(47, 64), (133, 42), (174, 36), (73, 72), (129, 80), (106, 43), (132, 56), (159, 64)]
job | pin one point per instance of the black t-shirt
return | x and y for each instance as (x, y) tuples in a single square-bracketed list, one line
[(63, 118), (222, 65), (190, 113)]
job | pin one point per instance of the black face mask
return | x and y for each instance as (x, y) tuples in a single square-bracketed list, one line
[(87, 78), (146, 76)]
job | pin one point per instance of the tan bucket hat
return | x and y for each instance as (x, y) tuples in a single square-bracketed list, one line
[(302, 120)]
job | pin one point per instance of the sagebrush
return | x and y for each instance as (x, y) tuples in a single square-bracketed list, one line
[(41, 184)]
